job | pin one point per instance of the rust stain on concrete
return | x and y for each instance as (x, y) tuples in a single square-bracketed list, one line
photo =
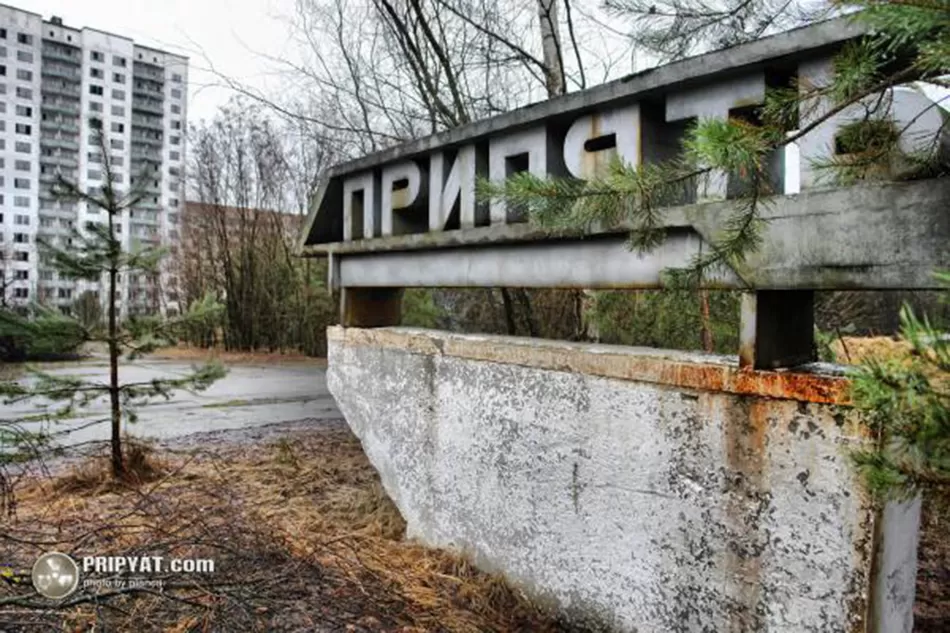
[(664, 367)]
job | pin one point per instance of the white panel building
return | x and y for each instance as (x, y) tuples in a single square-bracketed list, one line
[(53, 80)]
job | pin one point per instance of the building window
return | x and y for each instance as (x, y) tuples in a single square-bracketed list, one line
[(176, 78), (22, 110), (22, 202), (176, 125), (23, 128), (21, 275), (95, 106), (118, 110), (24, 93), (3, 71), (46, 275), (64, 293), (22, 256), (21, 238), (21, 183), (21, 293), (174, 155), (94, 174), (96, 56), (24, 75), (117, 144), (96, 73), (95, 90), (174, 171), (118, 127), (94, 158), (119, 78), (176, 109), (174, 140), (22, 165), (25, 56), (118, 61), (23, 147), (21, 220), (3, 34), (176, 93), (118, 94), (24, 38)]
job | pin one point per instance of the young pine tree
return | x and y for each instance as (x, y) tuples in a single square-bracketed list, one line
[(96, 255)]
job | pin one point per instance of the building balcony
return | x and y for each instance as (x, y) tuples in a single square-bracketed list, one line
[(61, 72), (60, 90), (63, 160), (146, 141), (150, 123), (149, 93), (60, 107), (145, 70), (61, 55), (60, 142), (143, 153), (146, 206), (50, 178), (150, 189), (147, 105), (60, 125), (57, 214)]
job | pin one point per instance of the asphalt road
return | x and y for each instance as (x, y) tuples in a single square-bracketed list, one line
[(249, 396)]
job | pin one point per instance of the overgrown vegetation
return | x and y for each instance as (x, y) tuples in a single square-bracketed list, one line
[(906, 400), (46, 334), (238, 238)]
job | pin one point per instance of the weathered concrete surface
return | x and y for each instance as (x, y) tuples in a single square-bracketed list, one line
[(653, 492)]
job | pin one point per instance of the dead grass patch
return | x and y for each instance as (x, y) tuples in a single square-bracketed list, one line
[(94, 476), (303, 536)]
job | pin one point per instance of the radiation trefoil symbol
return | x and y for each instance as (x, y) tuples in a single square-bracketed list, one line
[(55, 575)]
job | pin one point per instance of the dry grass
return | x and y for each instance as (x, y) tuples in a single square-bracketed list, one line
[(94, 476), (854, 349), (303, 538), (188, 353)]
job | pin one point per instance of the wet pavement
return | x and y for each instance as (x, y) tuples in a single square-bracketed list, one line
[(249, 396)]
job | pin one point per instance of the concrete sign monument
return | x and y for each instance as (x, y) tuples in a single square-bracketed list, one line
[(646, 489)]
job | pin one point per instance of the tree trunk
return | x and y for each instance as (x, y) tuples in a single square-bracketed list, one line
[(118, 466), (509, 311), (551, 47), (705, 325)]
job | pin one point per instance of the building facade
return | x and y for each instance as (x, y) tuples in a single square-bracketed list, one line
[(55, 79)]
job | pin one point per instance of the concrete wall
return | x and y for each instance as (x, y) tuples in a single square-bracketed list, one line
[(648, 490)]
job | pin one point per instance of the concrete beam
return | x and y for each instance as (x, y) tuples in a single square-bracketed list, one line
[(870, 237), (602, 263)]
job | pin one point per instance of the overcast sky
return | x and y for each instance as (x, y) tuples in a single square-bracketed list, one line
[(226, 33)]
